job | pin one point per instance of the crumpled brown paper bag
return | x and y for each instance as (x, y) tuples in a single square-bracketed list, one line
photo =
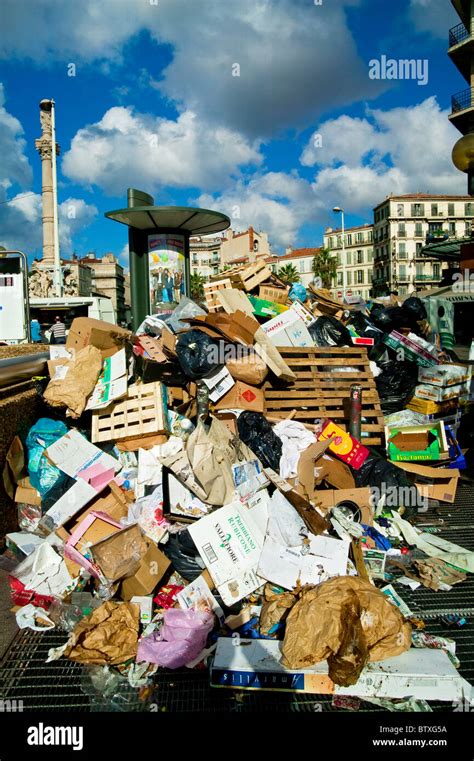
[(119, 555), (346, 621), (211, 455), (108, 636), (249, 368), (73, 390), (275, 608)]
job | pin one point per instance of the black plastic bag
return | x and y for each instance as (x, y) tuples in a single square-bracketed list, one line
[(198, 354), (257, 433), (183, 553), (328, 331), (396, 384), (383, 477), (392, 318), (415, 309)]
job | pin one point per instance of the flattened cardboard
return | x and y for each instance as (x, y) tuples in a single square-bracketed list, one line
[(14, 467), (242, 396), (305, 480), (335, 472), (436, 483), (153, 567), (105, 336)]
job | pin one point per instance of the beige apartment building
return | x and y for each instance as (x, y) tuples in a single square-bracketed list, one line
[(403, 225), (359, 259), (205, 253), (108, 279), (300, 258), (243, 247)]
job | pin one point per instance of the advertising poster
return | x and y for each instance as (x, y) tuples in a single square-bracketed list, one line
[(167, 270)]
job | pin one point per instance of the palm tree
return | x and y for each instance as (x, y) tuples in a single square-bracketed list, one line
[(197, 286), (324, 267), (289, 274)]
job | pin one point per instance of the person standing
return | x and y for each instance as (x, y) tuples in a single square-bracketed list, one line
[(35, 327), (58, 332)]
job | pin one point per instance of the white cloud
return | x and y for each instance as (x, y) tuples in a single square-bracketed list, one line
[(14, 166), (403, 150), (276, 202), (21, 228), (126, 148), (433, 16), (297, 59)]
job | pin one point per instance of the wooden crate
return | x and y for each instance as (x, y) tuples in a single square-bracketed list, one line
[(210, 292), (273, 294), (143, 412), (320, 393), (249, 277)]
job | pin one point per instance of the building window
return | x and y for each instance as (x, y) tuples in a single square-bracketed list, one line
[(419, 270), (418, 230), (348, 257), (434, 209), (400, 210), (338, 259), (418, 210), (349, 278), (450, 210), (436, 273), (452, 228), (302, 266), (402, 250), (339, 278), (360, 276), (467, 229), (360, 257), (330, 243), (402, 271), (370, 236), (402, 290), (401, 230), (339, 241), (359, 238), (370, 255), (349, 239), (419, 246), (469, 209)]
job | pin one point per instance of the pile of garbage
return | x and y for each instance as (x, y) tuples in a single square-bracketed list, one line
[(167, 519)]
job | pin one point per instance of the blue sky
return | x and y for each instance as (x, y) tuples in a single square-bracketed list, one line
[(155, 104)]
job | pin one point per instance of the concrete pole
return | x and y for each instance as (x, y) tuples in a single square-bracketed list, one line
[(45, 146)]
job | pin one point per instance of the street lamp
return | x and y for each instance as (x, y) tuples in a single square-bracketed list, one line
[(340, 211)]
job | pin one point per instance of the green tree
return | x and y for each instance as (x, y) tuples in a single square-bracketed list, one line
[(197, 286), (289, 274), (324, 267)]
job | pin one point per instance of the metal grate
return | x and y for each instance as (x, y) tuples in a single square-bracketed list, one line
[(59, 685)]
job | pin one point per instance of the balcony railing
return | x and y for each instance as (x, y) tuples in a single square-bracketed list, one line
[(458, 34), (462, 100), (426, 277)]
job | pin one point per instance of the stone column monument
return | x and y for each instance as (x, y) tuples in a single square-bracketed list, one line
[(42, 280)]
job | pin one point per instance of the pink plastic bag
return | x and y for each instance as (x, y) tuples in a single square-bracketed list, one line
[(181, 638)]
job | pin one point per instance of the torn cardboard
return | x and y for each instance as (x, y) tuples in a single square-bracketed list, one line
[(105, 336)]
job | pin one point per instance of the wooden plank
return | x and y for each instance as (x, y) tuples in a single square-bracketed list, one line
[(318, 393)]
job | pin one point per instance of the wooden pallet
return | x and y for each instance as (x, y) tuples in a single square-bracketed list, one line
[(210, 293), (320, 393), (142, 413), (249, 277)]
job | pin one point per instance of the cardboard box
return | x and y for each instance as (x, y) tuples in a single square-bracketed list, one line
[(308, 472), (329, 498), (427, 407), (53, 365), (290, 328), (244, 397), (114, 502), (417, 442), (344, 446), (26, 493), (265, 308), (438, 393), (76, 544), (423, 673), (433, 483), (274, 294), (414, 348), (105, 336), (230, 541), (153, 567), (443, 375), (120, 554), (334, 472)]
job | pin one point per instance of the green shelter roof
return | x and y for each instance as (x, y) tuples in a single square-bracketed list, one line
[(188, 219)]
